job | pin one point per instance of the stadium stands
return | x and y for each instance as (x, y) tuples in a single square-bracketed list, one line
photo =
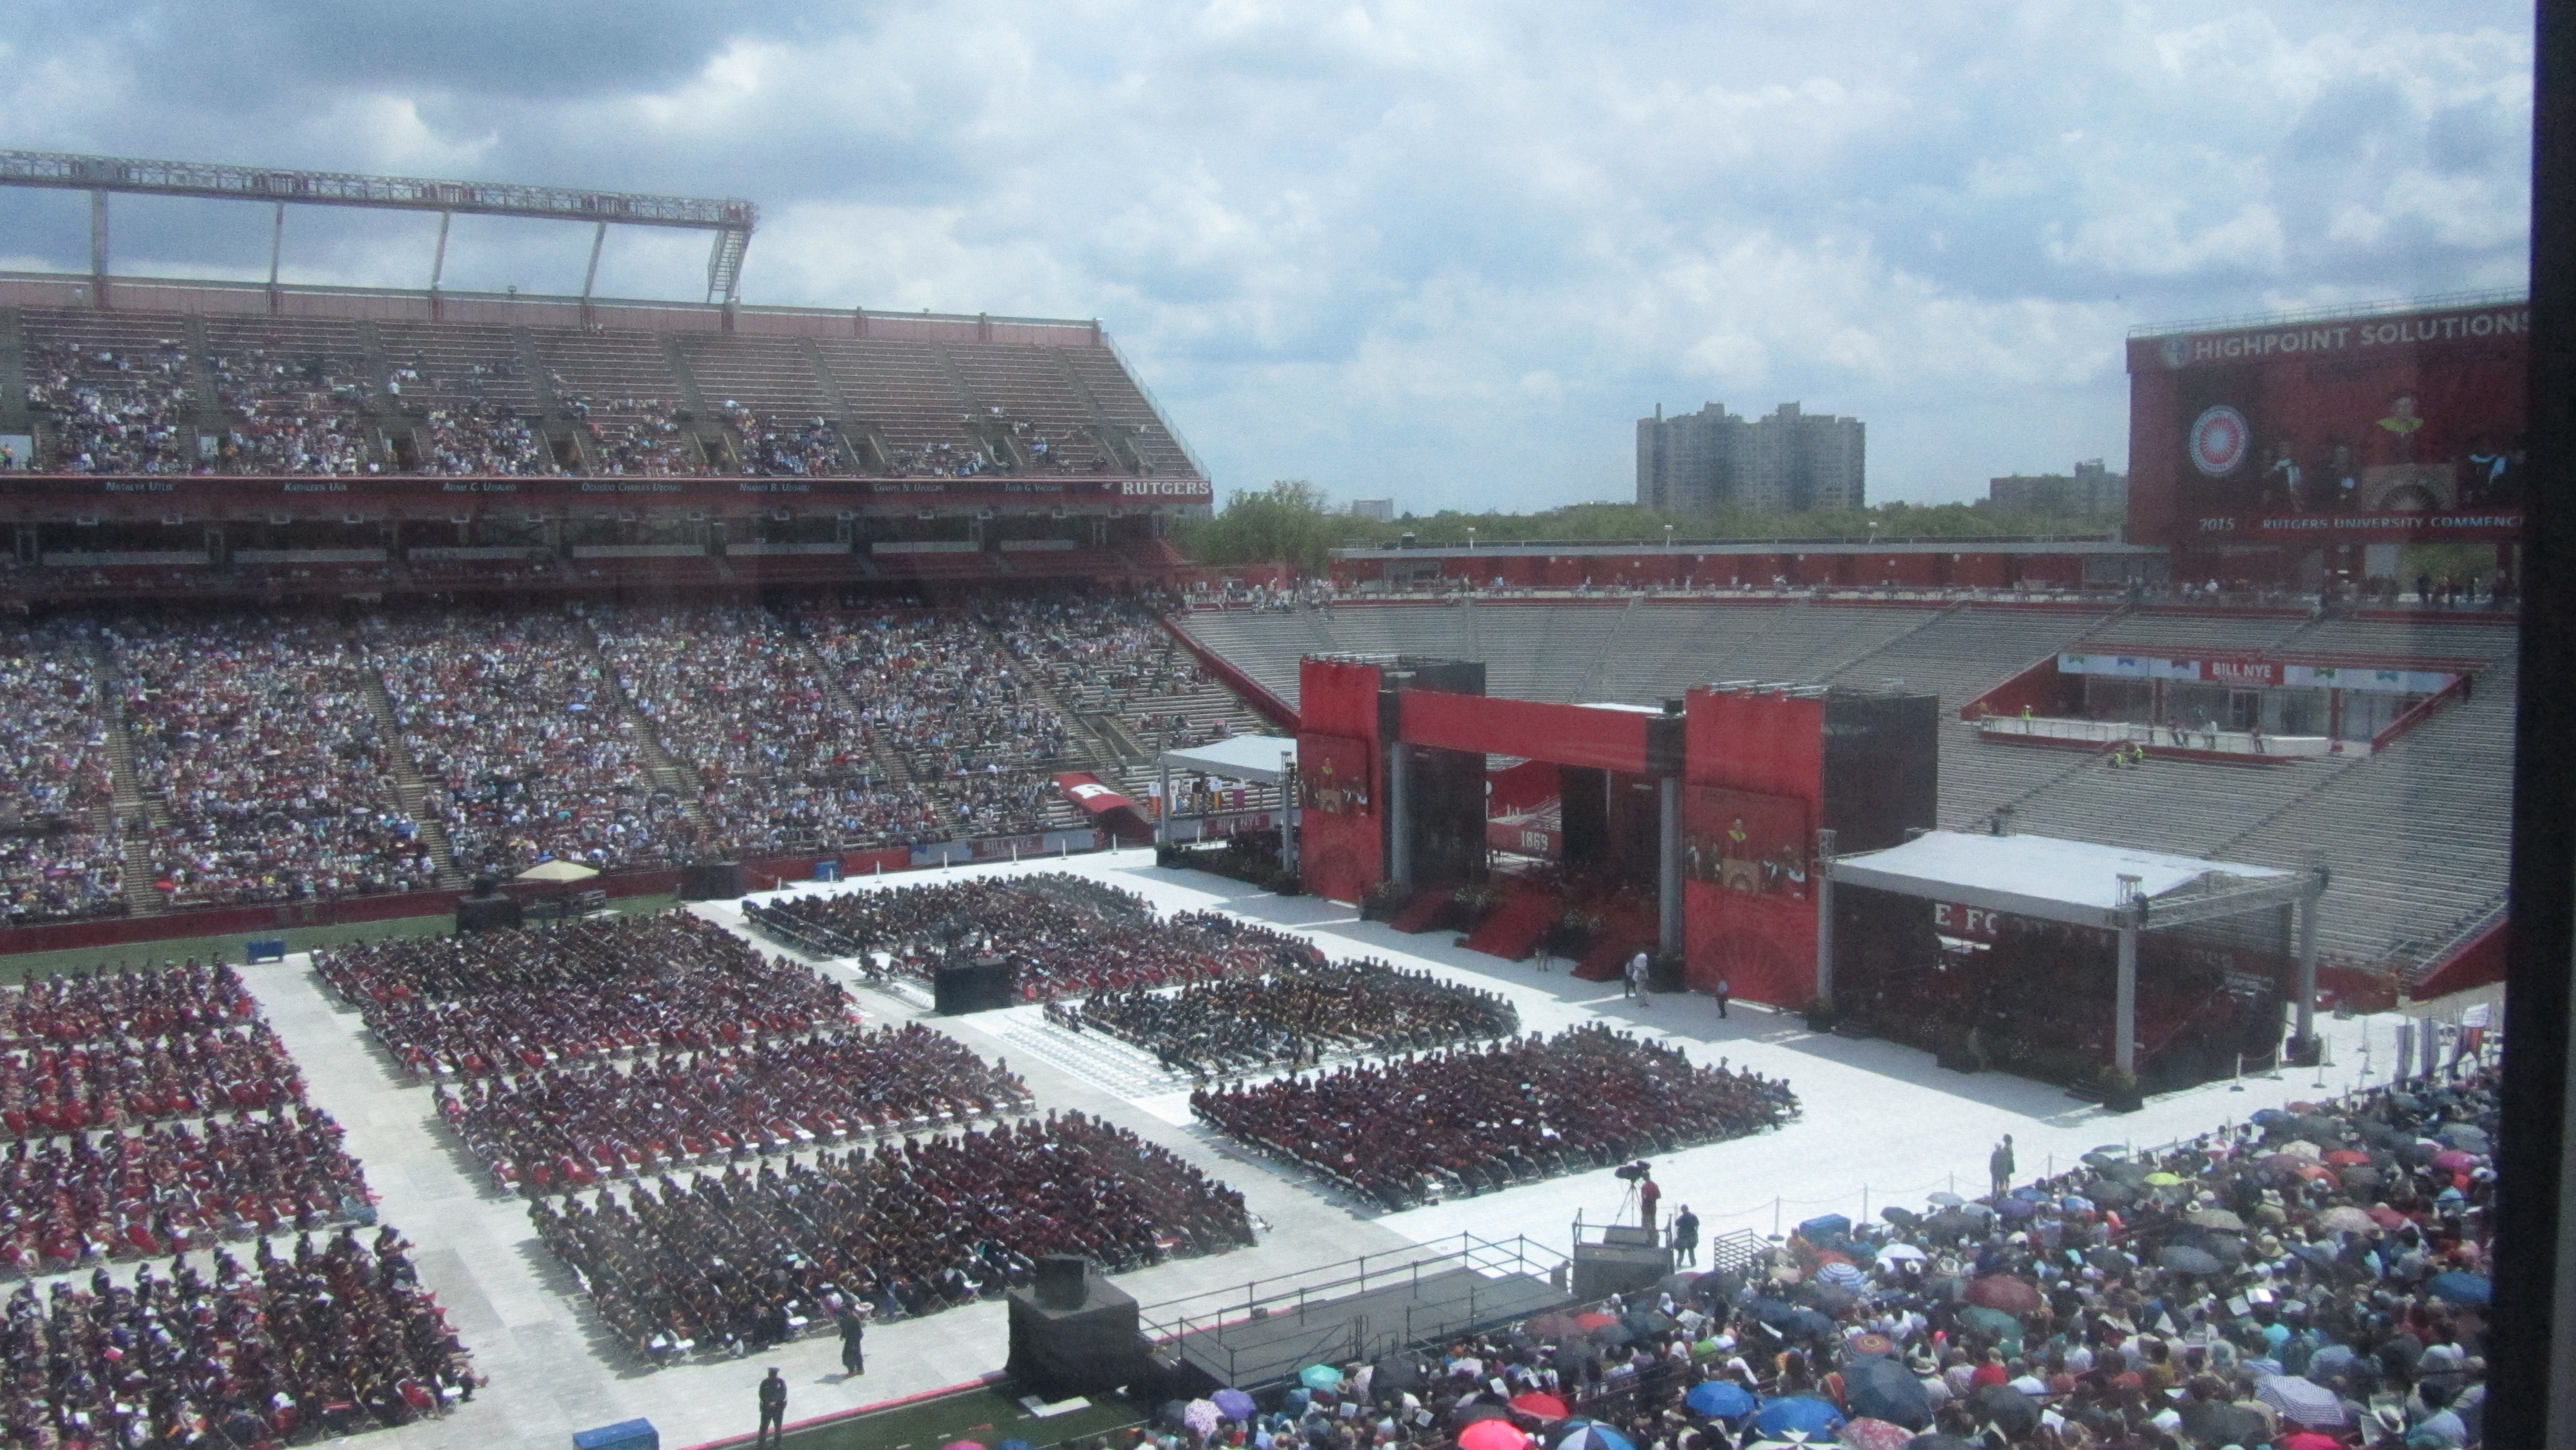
[(170, 393), (2397, 898)]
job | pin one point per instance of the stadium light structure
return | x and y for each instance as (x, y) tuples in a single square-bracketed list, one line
[(730, 220)]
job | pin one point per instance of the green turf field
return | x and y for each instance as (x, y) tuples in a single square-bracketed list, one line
[(987, 1416)]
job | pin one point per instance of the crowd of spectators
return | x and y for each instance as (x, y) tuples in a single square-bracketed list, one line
[(294, 410), (570, 1127), (780, 761), (939, 458), (1111, 654), (635, 437), (512, 1002), (113, 410), (296, 1347), (267, 775), (936, 686), (2312, 1280), (1470, 1119), (1294, 1016), (259, 739), (520, 733), (1065, 936), (769, 446), (55, 778), (469, 438), (734, 1262)]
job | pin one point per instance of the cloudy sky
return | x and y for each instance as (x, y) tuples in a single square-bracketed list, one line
[(1443, 250)]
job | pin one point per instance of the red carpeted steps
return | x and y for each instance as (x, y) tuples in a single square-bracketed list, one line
[(1421, 911), (1513, 928)]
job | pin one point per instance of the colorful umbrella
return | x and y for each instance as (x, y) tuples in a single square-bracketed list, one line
[(1492, 1435), (1868, 1434), (1320, 1377), (2452, 1160), (1595, 1320), (2163, 1180), (1585, 1435), (2004, 1292), (1235, 1405), (1541, 1407), (2386, 1217), (1796, 1415), (2347, 1157), (1901, 1253), (1843, 1274), (1718, 1400), (1201, 1415), (2302, 1400), (2471, 1289)]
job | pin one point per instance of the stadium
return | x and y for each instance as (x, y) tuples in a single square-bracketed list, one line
[(565, 851)]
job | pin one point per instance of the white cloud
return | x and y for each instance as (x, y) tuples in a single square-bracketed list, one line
[(1442, 250)]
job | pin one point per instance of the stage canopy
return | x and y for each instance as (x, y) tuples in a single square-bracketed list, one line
[(2070, 881), (1261, 759)]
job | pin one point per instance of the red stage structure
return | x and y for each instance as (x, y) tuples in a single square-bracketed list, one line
[(1718, 805)]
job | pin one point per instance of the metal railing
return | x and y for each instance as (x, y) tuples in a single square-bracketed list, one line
[(1310, 1298)]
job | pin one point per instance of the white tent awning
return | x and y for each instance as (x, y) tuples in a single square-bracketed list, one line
[(2044, 876), (1262, 759)]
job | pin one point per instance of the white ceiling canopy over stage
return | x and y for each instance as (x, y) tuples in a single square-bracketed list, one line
[(2079, 882), (1261, 759), (2085, 883)]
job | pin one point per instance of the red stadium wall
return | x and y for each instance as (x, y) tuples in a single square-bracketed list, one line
[(1565, 734), (2393, 427), (1762, 941), (1340, 762)]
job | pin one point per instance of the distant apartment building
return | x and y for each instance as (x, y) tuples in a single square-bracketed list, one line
[(1380, 509), (2091, 490), (1787, 462)]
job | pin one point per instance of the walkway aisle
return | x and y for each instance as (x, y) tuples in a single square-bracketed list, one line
[(1878, 1117), (553, 1368)]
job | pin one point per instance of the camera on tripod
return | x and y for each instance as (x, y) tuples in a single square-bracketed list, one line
[(1632, 1172)]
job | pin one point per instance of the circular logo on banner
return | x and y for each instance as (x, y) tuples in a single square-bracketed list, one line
[(2219, 438), (2176, 351)]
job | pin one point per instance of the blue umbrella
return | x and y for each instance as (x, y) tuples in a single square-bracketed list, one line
[(1320, 1377), (1882, 1389), (1798, 1415), (1015, 1445), (2016, 1208), (1719, 1399), (1585, 1435), (1235, 1405), (2455, 1288)]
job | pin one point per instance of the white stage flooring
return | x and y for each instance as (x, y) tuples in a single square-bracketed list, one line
[(1881, 1124)]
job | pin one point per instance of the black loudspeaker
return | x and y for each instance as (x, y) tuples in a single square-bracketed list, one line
[(1088, 1349), (1061, 1280), (1664, 972), (711, 881), (1601, 1270), (987, 984), (487, 913)]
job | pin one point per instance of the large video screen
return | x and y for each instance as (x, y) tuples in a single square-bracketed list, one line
[(2367, 428)]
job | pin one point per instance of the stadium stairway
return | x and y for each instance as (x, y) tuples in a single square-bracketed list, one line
[(132, 812), (2410, 836), (1421, 911), (409, 789), (1513, 928), (664, 770)]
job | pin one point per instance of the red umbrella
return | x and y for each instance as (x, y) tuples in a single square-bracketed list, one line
[(1544, 1407), (1492, 1435), (2386, 1217), (2454, 1161), (1595, 1320), (2346, 1158), (2006, 1293)]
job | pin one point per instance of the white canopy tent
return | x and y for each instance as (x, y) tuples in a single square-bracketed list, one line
[(2082, 883), (1261, 759)]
